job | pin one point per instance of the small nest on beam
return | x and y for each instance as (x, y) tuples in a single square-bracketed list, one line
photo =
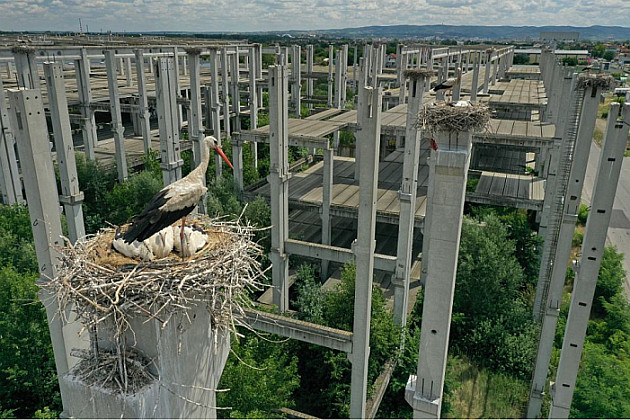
[(598, 80), (193, 50), (415, 74), (449, 117), (112, 371), (22, 49)]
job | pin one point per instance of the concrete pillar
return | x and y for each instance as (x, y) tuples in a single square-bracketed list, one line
[(354, 68), (185, 65), (215, 105), (234, 89), (119, 66), (114, 108), (327, 196), (562, 252), (279, 182), (84, 90), (253, 99), (195, 123), (486, 77), (309, 71), (71, 197), (363, 74), (26, 67), (338, 79), (407, 197), (9, 70), (128, 73), (590, 261), (448, 168), (259, 74), (475, 80), (402, 80), (369, 119), (344, 75), (225, 89), (10, 175), (171, 162), (143, 104), (331, 63), (27, 116), (296, 78)]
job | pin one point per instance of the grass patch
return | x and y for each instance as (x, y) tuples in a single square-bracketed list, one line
[(484, 394)]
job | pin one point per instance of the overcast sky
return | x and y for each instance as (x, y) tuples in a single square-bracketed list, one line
[(278, 15)]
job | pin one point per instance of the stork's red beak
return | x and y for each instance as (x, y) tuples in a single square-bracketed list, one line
[(220, 152)]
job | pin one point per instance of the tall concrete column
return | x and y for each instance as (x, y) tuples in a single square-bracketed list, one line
[(402, 80), (448, 169), (178, 88), (71, 196), (235, 90), (128, 73), (114, 109), (170, 158), (344, 75), (84, 90), (279, 182), (407, 197), (369, 119), (363, 74), (354, 68), (26, 67), (259, 74), (475, 80), (309, 71), (486, 77), (495, 69), (331, 63), (590, 261), (562, 252), (215, 105), (327, 190), (195, 119), (296, 78), (253, 100), (119, 66), (225, 88), (10, 175), (143, 103), (27, 115), (9, 70)]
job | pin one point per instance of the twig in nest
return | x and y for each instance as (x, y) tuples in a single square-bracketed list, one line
[(445, 117)]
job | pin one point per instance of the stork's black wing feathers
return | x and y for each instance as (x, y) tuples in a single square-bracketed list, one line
[(152, 219), (441, 86)]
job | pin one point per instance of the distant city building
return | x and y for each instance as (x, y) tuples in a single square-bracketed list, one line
[(533, 54), (559, 36)]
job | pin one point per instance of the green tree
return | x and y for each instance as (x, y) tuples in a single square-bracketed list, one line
[(521, 59), (16, 239), (129, 197)]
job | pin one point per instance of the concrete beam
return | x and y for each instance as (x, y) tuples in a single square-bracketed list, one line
[(114, 108), (307, 332)]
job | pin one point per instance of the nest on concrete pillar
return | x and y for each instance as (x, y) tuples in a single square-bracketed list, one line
[(597, 80), (416, 74), (107, 290), (193, 50), (22, 49), (457, 117)]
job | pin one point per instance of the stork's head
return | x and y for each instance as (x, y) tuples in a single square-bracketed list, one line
[(212, 144)]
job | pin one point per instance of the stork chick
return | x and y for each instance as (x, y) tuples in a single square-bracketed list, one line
[(194, 239)]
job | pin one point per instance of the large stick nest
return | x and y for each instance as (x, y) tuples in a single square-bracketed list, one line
[(598, 80), (415, 74), (450, 117), (104, 285)]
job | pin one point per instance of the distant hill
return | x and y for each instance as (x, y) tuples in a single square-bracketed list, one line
[(472, 32)]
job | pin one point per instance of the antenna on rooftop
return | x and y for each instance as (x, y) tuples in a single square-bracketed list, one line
[(80, 27)]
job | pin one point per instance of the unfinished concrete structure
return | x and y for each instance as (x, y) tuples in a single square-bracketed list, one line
[(215, 99)]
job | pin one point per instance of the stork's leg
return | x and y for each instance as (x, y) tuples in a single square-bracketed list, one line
[(182, 236)]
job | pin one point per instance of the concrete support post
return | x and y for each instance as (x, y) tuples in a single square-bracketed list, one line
[(338, 70), (171, 162), (331, 63), (195, 119), (344, 75), (26, 68), (84, 90), (354, 68), (279, 182), (448, 169), (71, 197), (486, 77), (457, 88), (234, 89), (296, 78), (407, 197), (180, 113), (128, 74), (402, 80), (27, 116), (562, 252), (185, 65), (226, 91), (10, 175), (114, 109), (259, 74), (369, 119), (363, 74), (327, 184), (309, 71), (119, 66), (143, 103), (9, 70), (253, 99), (475, 80), (215, 105), (592, 251)]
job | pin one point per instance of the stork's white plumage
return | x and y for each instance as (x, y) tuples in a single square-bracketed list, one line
[(135, 249), (161, 243), (175, 201), (194, 239)]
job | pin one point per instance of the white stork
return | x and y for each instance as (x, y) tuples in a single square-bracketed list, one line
[(174, 201), (194, 239), (449, 83)]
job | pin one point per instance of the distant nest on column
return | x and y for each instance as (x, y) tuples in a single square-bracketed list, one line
[(193, 50), (458, 117), (600, 80), (101, 285), (416, 74), (22, 49)]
